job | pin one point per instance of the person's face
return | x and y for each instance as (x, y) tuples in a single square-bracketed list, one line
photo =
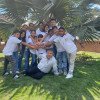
[(17, 35), (55, 31), (51, 33), (61, 32), (33, 34), (39, 39), (49, 54), (24, 28), (41, 26), (53, 23), (31, 27), (23, 35), (46, 28)]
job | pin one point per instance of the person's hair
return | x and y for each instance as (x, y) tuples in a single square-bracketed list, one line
[(49, 30), (33, 31), (52, 19), (62, 28), (16, 31), (24, 25), (40, 23), (30, 24), (40, 36), (50, 50), (54, 27), (21, 32), (45, 26)]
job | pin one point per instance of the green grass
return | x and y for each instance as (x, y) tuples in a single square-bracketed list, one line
[(84, 86)]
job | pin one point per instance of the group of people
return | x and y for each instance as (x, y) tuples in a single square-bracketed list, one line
[(50, 48)]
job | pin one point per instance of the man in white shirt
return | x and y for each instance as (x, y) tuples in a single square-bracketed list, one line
[(27, 51), (40, 29), (8, 52), (45, 65)]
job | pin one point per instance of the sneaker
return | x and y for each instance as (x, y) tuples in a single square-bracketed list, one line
[(65, 72), (6, 73), (17, 72), (60, 71), (10, 72), (69, 76), (16, 77)]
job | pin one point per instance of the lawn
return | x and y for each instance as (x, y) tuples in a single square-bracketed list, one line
[(84, 86)]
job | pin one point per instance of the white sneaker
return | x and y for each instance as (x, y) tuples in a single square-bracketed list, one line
[(6, 73), (16, 77), (65, 72), (10, 72), (69, 76), (17, 72), (60, 71)]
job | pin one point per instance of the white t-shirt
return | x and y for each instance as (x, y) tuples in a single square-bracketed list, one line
[(56, 26), (11, 46), (38, 31), (67, 42), (33, 51), (58, 45), (28, 33)]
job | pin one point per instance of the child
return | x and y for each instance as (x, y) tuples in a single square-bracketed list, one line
[(33, 40), (41, 50), (22, 49), (8, 52)]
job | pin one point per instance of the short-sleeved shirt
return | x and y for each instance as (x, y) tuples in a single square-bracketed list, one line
[(11, 46), (33, 51), (67, 42)]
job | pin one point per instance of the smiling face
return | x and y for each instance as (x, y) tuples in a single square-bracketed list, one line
[(24, 27), (55, 31), (17, 35), (41, 26), (31, 27), (61, 32), (46, 28), (53, 23), (33, 33), (49, 54), (23, 35)]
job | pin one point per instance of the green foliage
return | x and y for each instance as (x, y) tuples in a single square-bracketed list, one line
[(84, 57)]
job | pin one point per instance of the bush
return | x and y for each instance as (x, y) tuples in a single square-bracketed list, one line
[(84, 57)]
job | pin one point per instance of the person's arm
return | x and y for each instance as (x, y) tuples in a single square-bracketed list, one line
[(48, 44), (55, 69), (43, 38)]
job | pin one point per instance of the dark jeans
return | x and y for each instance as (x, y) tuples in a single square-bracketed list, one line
[(12, 60), (34, 72)]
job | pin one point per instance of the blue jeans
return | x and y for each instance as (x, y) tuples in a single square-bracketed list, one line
[(54, 50), (27, 56), (20, 59), (33, 60), (15, 55), (62, 60)]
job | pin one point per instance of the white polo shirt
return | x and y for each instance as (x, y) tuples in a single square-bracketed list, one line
[(58, 45), (28, 33), (67, 42), (33, 51), (11, 46), (38, 31)]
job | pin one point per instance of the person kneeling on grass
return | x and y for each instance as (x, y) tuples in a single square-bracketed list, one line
[(8, 52), (46, 63)]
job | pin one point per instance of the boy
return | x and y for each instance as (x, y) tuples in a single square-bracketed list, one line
[(32, 40), (8, 52)]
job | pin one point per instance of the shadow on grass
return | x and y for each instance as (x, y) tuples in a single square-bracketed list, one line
[(84, 86)]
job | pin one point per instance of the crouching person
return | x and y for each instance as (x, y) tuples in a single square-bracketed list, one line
[(46, 63)]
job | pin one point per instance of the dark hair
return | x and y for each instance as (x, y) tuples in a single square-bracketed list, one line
[(54, 27), (30, 24), (16, 31), (62, 28), (33, 31), (49, 30), (40, 36), (50, 50), (52, 20), (40, 23), (21, 32), (45, 26)]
